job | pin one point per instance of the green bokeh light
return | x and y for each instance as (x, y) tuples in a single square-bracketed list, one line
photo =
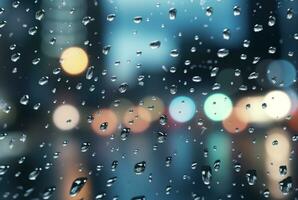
[(218, 107)]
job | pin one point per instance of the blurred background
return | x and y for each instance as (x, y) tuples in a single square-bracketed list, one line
[(148, 99)]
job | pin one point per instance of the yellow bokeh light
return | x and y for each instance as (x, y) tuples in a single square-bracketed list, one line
[(138, 119), (154, 105), (278, 104), (66, 117), (74, 60), (249, 110)]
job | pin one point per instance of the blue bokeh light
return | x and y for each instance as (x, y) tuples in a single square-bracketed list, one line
[(182, 109)]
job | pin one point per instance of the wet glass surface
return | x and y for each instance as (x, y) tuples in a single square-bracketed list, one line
[(148, 99)]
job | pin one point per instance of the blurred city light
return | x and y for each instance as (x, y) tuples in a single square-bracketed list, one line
[(272, 104), (234, 124), (66, 117), (281, 73), (74, 60), (105, 122), (137, 118), (155, 106), (218, 107), (182, 109)]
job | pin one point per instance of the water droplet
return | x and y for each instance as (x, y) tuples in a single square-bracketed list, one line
[(283, 170), (111, 181), (236, 10), (196, 79), (24, 99), (106, 49), (266, 193), (163, 120), (168, 161), (209, 11), (34, 174), (226, 34), (140, 167), (86, 20), (15, 4), (15, 57), (4, 106), (123, 88), (290, 13), (174, 53), (139, 198), (89, 73), (103, 126), (43, 80), (251, 177), (221, 53), (48, 192), (206, 174), (271, 21), (137, 19), (237, 167), (124, 133), (3, 169), (114, 165), (161, 137), (32, 30), (258, 28), (3, 23), (39, 14), (172, 13), (111, 17), (85, 146), (253, 75), (216, 165), (77, 186), (155, 44), (173, 89)]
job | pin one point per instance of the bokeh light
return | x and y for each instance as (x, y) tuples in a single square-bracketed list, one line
[(182, 109), (281, 73), (74, 60), (249, 109), (154, 105), (218, 107), (277, 104), (234, 124), (137, 118), (105, 122), (293, 122), (120, 106), (66, 117)]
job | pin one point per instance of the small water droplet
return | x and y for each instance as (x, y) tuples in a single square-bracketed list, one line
[(24, 99)]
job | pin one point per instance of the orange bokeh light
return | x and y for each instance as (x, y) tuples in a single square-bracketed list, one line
[(137, 119), (293, 122), (104, 116), (233, 124)]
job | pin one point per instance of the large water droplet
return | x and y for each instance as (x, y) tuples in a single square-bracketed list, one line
[(172, 13), (77, 186), (140, 167)]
